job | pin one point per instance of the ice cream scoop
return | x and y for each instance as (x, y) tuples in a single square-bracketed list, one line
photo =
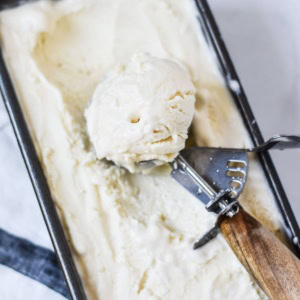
[(216, 177), (141, 111)]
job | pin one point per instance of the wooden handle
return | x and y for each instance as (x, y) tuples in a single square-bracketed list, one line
[(275, 268)]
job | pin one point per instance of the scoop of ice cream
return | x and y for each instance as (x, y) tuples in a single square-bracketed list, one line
[(141, 111)]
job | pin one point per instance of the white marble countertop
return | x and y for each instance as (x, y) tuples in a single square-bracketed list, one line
[(263, 38)]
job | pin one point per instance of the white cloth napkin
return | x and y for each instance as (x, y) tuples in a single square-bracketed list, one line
[(20, 215)]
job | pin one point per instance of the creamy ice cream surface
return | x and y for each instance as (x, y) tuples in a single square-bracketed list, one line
[(131, 235), (141, 111)]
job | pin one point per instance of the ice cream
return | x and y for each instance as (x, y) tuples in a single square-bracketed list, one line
[(141, 112), (131, 235)]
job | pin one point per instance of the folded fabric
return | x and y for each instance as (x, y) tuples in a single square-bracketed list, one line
[(33, 261)]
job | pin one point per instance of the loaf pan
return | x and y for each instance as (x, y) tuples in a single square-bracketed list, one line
[(39, 182)]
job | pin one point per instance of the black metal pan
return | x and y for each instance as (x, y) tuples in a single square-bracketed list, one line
[(38, 179)]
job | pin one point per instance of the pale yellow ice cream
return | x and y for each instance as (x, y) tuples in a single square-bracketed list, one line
[(131, 235), (141, 111)]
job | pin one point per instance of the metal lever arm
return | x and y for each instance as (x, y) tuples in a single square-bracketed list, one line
[(280, 142)]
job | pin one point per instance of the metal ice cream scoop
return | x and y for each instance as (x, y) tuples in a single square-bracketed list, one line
[(217, 176)]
